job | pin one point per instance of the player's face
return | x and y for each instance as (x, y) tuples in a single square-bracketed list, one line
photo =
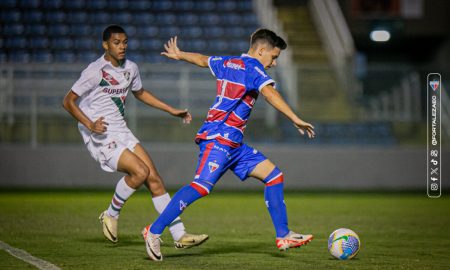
[(269, 57), (116, 47)]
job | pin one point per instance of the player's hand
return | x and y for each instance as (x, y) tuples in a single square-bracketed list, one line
[(184, 114), (99, 126), (304, 127), (172, 50)]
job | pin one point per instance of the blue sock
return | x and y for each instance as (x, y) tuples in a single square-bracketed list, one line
[(274, 197), (184, 197)]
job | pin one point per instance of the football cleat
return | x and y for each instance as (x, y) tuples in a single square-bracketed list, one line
[(152, 244), (190, 240), (293, 240), (109, 226)]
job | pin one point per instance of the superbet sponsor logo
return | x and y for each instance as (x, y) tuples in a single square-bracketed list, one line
[(114, 91)]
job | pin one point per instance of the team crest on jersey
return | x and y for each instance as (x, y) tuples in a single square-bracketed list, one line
[(183, 205), (434, 85), (126, 74), (212, 166), (109, 78)]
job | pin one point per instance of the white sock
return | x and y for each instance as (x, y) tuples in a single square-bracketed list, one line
[(176, 227), (123, 192)]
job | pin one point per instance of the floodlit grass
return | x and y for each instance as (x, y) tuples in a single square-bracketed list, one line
[(397, 231)]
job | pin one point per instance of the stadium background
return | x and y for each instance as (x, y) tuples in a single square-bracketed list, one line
[(367, 99), (366, 169)]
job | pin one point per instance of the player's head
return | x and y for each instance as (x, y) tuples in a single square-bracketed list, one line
[(266, 46), (115, 43)]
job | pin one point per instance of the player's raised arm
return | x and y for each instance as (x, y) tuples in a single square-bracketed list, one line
[(173, 52), (148, 98), (276, 100)]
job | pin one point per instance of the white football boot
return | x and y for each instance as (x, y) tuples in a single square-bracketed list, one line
[(152, 244), (293, 240), (109, 226)]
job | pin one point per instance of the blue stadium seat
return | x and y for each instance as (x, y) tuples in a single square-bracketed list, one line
[(147, 31), (162, 5), (84, 43), (152, 44), (78, 17), (213, 31), (136, 57), (188, 19), (226, 5), (184, 5), (87, 56), (51, 4), (230, 19), (8, 3), (10, 16), (80, 30), (209, 19), (195, 45), (133, 44), (100, 17), (144, 18), (73, 5), (167, 32), (239, 46), (32, 16), (61, 43), (245, 6), (42, 56), (15, 42), (29, 3), (118, 4), (217, 45), (52, 17), (19, 56), (249, 20), (3, 57), (13, 29), (97, 4), (205, 6), (121, 18), (57, 30), (191, 32), (64, 56), (236, 32), (39, 43), (35, 30), (166, 18), (139, 5)]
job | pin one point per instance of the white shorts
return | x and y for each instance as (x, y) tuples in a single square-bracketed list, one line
[(107, 148)]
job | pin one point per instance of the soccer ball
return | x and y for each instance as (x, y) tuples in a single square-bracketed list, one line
[(343, 244)]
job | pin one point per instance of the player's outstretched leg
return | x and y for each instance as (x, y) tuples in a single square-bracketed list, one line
[(109, 218), (274, 197), (182, 199)]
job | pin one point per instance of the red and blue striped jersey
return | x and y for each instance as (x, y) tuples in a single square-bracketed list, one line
[(239, 80)]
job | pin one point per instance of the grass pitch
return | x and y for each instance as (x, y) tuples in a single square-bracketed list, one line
[(397, 231)]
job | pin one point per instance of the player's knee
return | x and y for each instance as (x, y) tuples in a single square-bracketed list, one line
[(202, 187), (274, 178), (141, 172)]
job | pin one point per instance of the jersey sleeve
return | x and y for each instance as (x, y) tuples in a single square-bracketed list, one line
[(215, 64), (259, 79), (136, 84), (88, 81)]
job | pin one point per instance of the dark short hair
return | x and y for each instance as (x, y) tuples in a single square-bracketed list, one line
[(112, 29), (266, 35)]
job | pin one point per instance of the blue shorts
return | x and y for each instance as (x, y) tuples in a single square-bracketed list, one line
[(215, 159)]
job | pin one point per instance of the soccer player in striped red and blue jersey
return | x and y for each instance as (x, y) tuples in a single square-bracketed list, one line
[(240, 79)]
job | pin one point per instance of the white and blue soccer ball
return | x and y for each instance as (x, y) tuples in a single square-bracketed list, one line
[(343, 244)]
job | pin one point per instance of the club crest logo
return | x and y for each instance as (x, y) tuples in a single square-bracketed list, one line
[(126, 74), (434, 85), (183, 205), (212, 166)]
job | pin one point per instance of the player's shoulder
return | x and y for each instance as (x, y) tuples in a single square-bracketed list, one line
[(96, 66), (130, 64)]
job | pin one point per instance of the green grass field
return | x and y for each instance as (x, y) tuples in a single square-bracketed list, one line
[(397, 231)]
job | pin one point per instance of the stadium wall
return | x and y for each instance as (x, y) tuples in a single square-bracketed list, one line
[(318, 167)]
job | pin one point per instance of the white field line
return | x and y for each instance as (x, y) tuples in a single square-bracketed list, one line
[(27, 257)]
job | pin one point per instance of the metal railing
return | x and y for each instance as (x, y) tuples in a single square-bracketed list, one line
[(32, 91)]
